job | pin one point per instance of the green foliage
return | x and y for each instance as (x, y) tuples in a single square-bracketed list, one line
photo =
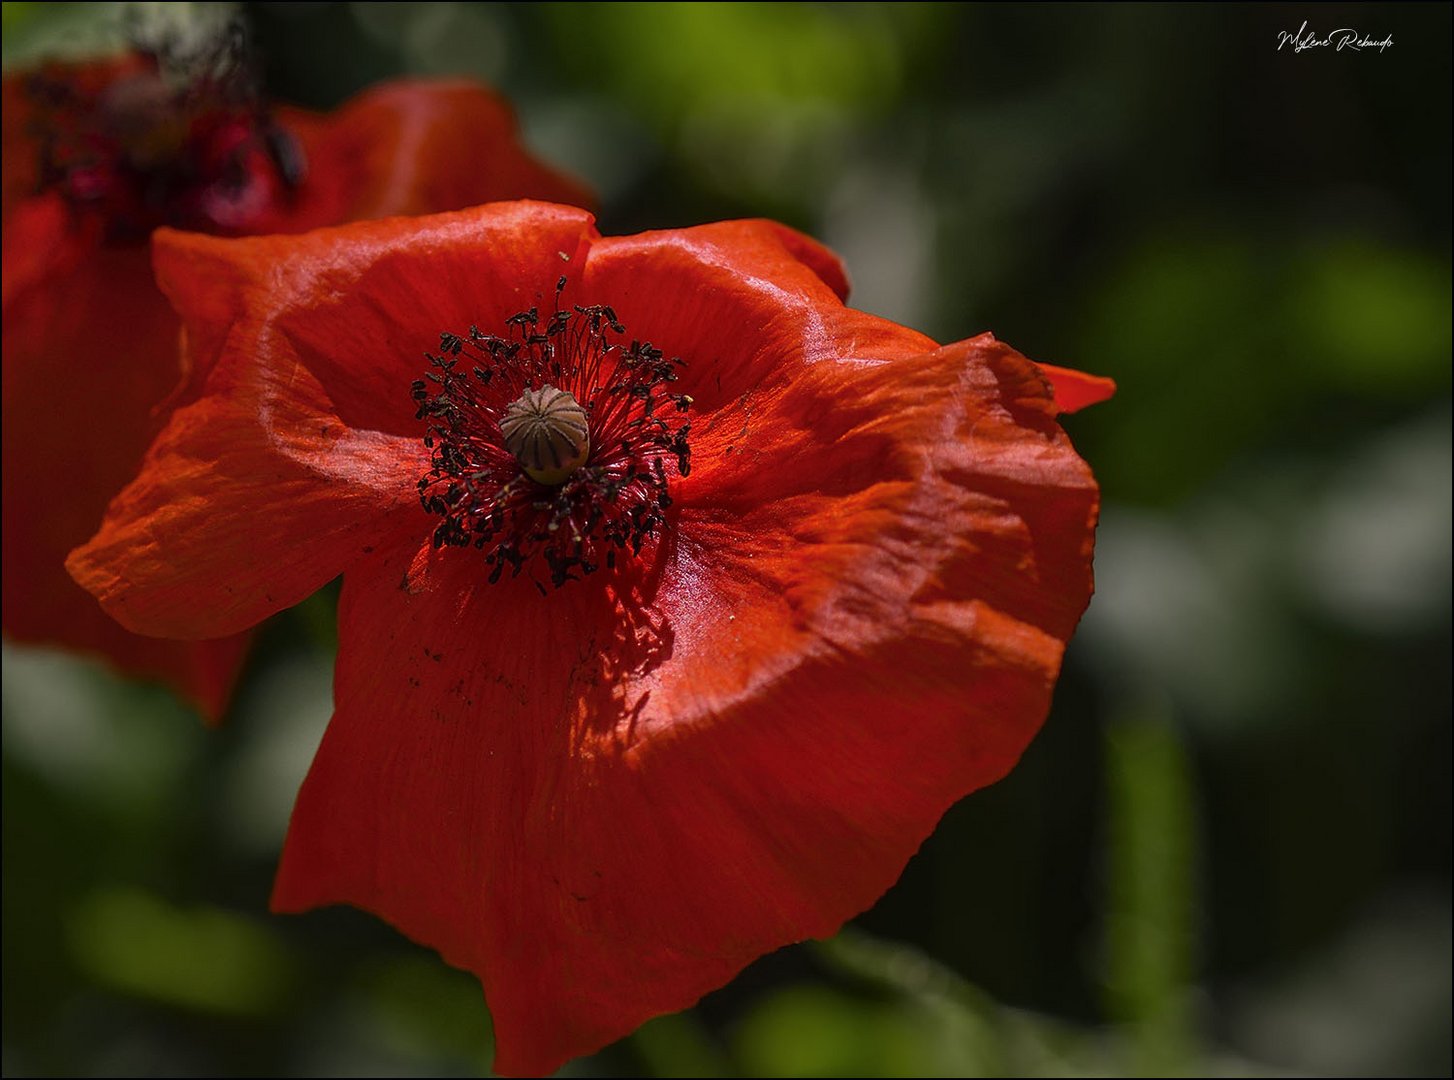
[(205, 959), (1149, 932)]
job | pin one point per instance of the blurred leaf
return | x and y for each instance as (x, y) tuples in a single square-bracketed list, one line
[(1372, 549), (816, 1031), (38, 31), (1373, 319), (1226, 343), (428, 1008), (318, 616), (1148, 933), (962, 1022), (1376, 1002), (679, 1045), (276, 728), (68, 31), (675, 60), (761, 99), (438, 38), (1186, 324), (122, 746), (204, 958)]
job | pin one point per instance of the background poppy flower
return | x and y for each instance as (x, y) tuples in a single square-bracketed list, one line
[(95, 156), (606, 798)]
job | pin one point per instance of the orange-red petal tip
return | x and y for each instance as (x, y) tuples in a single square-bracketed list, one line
[(1075, 390)]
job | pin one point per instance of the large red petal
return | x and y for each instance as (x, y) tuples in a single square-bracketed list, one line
[(471, 721), (937, 501), (416, 147), (84, 328), (607, 799)]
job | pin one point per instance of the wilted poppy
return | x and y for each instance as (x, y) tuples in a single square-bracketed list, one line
[(679, 599), (95, 156)]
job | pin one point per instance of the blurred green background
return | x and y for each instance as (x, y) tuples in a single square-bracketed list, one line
[(1229, 850)]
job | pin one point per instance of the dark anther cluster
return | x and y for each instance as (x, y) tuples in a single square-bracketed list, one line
[(615, 502)]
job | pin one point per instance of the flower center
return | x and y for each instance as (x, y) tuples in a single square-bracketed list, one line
[(552, 441), (176, 136), (548, 433)]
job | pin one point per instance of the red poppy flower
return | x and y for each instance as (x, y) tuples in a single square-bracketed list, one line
[(700, 599), (95, 156)]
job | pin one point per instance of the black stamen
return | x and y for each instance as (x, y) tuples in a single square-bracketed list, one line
[(614, 502)]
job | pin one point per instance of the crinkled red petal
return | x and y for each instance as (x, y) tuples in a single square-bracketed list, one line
[(740, 333), (361, 307)]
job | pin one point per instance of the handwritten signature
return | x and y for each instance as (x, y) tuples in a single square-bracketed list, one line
[(1337, 40)]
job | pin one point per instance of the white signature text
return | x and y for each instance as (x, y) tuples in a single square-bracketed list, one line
[(1337, 40)]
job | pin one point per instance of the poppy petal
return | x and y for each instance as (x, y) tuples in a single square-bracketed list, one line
[(943, 479), (416, 147), (1075, 390), (606, 801), (174, 557), (349, 306), (19, 167), (74, 429), (41, 243), (681, 288), (821, 260)]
